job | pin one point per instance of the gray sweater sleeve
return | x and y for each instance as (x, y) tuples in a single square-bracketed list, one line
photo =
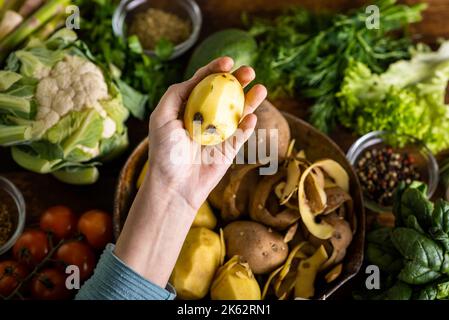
[(114, 280)]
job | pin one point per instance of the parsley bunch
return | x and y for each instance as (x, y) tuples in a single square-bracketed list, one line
[(306, 54)]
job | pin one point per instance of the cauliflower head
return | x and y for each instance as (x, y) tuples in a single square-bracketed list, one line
[(64, 112)]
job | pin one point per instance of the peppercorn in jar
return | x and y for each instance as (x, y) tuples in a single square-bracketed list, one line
[(381, 170)]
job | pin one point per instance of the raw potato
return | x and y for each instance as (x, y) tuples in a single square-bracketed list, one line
[(235, 281), (214, 109), (197, 263), (264, 250), (205, 217), (269, 117)]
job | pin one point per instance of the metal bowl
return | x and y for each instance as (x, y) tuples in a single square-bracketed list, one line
[(184, 8), (316, 145)]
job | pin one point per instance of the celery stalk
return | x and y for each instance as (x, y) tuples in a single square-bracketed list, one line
[(30, 25), (29, 6), (9, 22), (50, 27)]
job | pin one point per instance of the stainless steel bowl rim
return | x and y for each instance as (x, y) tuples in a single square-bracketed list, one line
[(192, 8)]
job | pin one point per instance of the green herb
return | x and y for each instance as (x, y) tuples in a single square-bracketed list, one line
[(164, 49), (149, 75), (307, 54)]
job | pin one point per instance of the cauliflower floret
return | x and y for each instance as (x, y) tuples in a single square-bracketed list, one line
[(72, 84)]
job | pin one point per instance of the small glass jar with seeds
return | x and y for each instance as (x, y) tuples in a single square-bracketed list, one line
[(12, 214), (383, 160)]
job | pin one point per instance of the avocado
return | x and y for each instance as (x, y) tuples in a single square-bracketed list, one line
[(235, 43)]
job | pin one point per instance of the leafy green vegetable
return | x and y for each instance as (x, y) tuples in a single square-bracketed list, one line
[(415, 252), (164, 49), (305, 53), (440, 223), (425, 260), (380, 251), (407, 99), (400, 291), (438, 290), (414, 204), (53, 129), (141, 73)]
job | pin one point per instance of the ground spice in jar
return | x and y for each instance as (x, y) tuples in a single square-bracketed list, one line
[(152, 25), (381, 170), (5, 224)]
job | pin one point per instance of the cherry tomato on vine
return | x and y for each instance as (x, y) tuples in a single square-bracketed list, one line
[(96, 226), (11, 273), (49, 284), (31, 247), (77, 253), (60, 221)]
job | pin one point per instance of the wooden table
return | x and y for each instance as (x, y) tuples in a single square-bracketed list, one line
[(41, 191)]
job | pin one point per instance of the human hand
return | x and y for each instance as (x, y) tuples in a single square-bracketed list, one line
[(193, 181)]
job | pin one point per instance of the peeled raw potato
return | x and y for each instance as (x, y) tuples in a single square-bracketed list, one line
[(214, 109), (197, 263), (205, 217), (235, 281)]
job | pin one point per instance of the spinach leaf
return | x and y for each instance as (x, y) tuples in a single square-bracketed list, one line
[(425, 260), (440, 223), (400, 291), (440, 217), (380, 251), (437, 290), (412, 223), (398, 204), (415, 203), (386, 260), (415, 273)]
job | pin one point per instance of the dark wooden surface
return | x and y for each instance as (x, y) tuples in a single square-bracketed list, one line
[(43, 191)]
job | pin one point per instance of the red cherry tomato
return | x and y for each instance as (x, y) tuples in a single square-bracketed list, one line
[(11, 273), (31, 247), (96, 226), (60, 221), (49, 284), (77, 253)]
